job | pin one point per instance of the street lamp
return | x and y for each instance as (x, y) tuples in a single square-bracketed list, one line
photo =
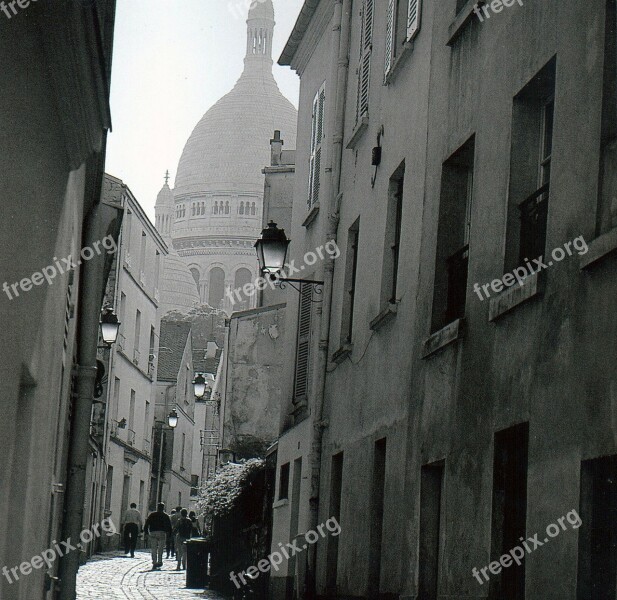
[(271, 250), (109, 326), (172, 419), (199, 385)]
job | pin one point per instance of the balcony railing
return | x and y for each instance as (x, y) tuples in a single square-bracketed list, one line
[(130, 437), (534, 212), (457, 265)]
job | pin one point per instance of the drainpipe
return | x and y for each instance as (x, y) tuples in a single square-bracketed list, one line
[(90, 285), (339, 69)]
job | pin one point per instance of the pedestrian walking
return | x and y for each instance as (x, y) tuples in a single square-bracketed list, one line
[(132, 526), (158, 526), (196, 532), (183, 532), (171, 541)]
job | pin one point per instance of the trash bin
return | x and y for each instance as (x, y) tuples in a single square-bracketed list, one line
[(197, 558)]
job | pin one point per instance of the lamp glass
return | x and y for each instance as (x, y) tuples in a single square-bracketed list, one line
[(109, 328), (172, 419), (271, 249), (199, 385)]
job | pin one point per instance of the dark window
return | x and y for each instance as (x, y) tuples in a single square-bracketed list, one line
[(336, 488), (284, 482), (454, 230), (376, 520), (431, 483), (216, 287), (194, 485), (393, 236), (351, 266), (530, 168), (607, 193), (509, 514), (597, 539)]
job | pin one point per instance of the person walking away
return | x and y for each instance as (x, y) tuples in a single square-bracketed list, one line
[(171, 542), (196, 531), (183, 531), (132, 526), (158, 526)]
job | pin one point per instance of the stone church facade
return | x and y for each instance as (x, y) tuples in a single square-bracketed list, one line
[(213, 215)]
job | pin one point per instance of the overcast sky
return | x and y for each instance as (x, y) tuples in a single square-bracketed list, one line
[(173, 59)]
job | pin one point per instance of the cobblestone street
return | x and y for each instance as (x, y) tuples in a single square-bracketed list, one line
[(112, 576)]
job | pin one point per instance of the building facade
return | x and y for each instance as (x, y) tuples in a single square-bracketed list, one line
[(54, 151), (214, 213), (464, 408), (131, 364)]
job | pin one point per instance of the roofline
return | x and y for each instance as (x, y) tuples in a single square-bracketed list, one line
[(297, 34)]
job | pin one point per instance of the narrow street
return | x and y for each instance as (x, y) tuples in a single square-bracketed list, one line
[(112, 576)]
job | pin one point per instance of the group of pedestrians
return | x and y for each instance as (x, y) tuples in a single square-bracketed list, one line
[(165, 532)]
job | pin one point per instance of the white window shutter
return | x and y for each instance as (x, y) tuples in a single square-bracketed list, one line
[(390, 30), (413, 18), (317, 134), (364, 68)]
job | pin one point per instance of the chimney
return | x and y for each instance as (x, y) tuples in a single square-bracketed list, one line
[(276, 149)]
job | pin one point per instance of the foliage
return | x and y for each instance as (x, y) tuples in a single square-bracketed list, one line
[(218, 496)]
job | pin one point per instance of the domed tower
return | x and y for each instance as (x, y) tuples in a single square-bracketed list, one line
[(164, 211), (218, 193)]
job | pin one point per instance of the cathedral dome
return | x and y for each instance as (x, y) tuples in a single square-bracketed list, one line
[(178, 288), (230, 145)]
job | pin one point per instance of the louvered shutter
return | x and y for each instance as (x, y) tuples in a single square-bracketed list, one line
[(317, 133), (413, 18), (364, 67), (304, 343), (390, 30)]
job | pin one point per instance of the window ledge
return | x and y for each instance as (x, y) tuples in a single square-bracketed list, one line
[(442, 338), (342, 353), (280, 503), (311, 215), (359, 129), (599, 248), (517, 294), (387, 314), (398, 62), (462, 19)]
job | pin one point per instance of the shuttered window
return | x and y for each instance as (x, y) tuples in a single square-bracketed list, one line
[(364, 67), (304, 344), (317, 134), (402, 25)]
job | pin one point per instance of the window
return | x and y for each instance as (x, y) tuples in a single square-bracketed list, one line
[(597, 539), (183, 451), (393, 237), (132, 411), (194, 485), (402, 25), (317, 134), (137, 329), (431, 483), (509, 514), (607, 193), (116, 399), (451, 264), (241, 211), (142, 493), (197, 278), (377, 498), (147, 423), (336, 489), (226, 207), (157, 269), (215, 208), (284, 482), (109, 487), (364, 66), (142, 254), (253, 210), (303, 345), (193, 209), (216, 289), (351, 266), (530, 168)]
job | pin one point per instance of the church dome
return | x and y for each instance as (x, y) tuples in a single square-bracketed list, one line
[(178, 288), (230, 145)]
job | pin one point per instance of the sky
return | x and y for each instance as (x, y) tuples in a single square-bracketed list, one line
[(173, 59)]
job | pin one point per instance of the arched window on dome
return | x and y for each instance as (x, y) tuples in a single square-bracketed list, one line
[(242, 277), (215, 208), (203, 208), (241, 211), (196, 277), (227, 207), (253, 209), (184, 210), (216, 290), (193, 209)]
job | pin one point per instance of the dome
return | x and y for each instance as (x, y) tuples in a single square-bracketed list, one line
[(178, 288), (165, 197), (262, 9), (230, 145)]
